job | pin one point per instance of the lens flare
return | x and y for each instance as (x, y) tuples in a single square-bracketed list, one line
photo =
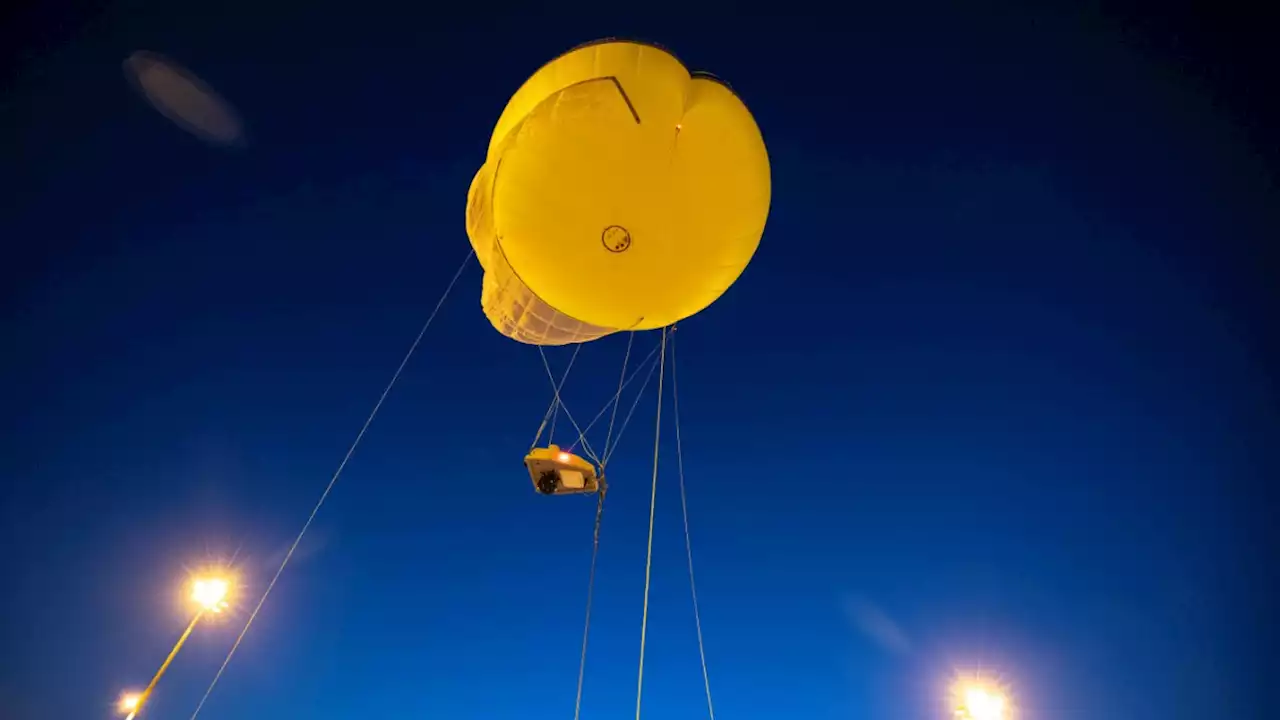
[(974, 698), (128, 702), (210, 593)]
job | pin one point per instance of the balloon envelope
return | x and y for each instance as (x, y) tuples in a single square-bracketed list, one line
[(620, 192)]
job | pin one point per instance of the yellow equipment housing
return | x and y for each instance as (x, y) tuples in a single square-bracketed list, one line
[(559, 472)]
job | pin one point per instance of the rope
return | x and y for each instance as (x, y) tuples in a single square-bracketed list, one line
[(558, 403), (688, 545), (653, 503), (646, 362), (333, 480), (591, 584), (595, 538), (555, 415), (622, 379), (555, 399), (634, 404)]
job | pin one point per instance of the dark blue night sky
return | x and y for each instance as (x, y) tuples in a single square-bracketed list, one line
[(996, 392)]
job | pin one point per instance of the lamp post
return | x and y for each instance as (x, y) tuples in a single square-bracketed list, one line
[(209, 596)]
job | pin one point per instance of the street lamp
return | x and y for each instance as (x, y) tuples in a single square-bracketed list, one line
[(128, 702), (975, 699), (209, 595)]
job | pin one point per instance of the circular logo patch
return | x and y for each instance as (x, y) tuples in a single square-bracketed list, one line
[(616, 239)]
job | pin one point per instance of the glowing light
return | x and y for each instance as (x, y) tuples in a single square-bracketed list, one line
[(129, 702), (210, 593), (978, 700), (564, 457), (984, 705)]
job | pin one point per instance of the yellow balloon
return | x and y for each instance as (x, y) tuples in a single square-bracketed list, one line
[(620, 192)]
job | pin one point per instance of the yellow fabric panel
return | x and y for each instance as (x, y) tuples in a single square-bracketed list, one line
[(479, 218), (620, 193), (520, 315), (509, 304), (626, 61)]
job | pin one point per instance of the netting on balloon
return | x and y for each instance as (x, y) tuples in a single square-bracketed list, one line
[(522, 316)]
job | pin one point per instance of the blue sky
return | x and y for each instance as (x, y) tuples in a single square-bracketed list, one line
[(995, 392)]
